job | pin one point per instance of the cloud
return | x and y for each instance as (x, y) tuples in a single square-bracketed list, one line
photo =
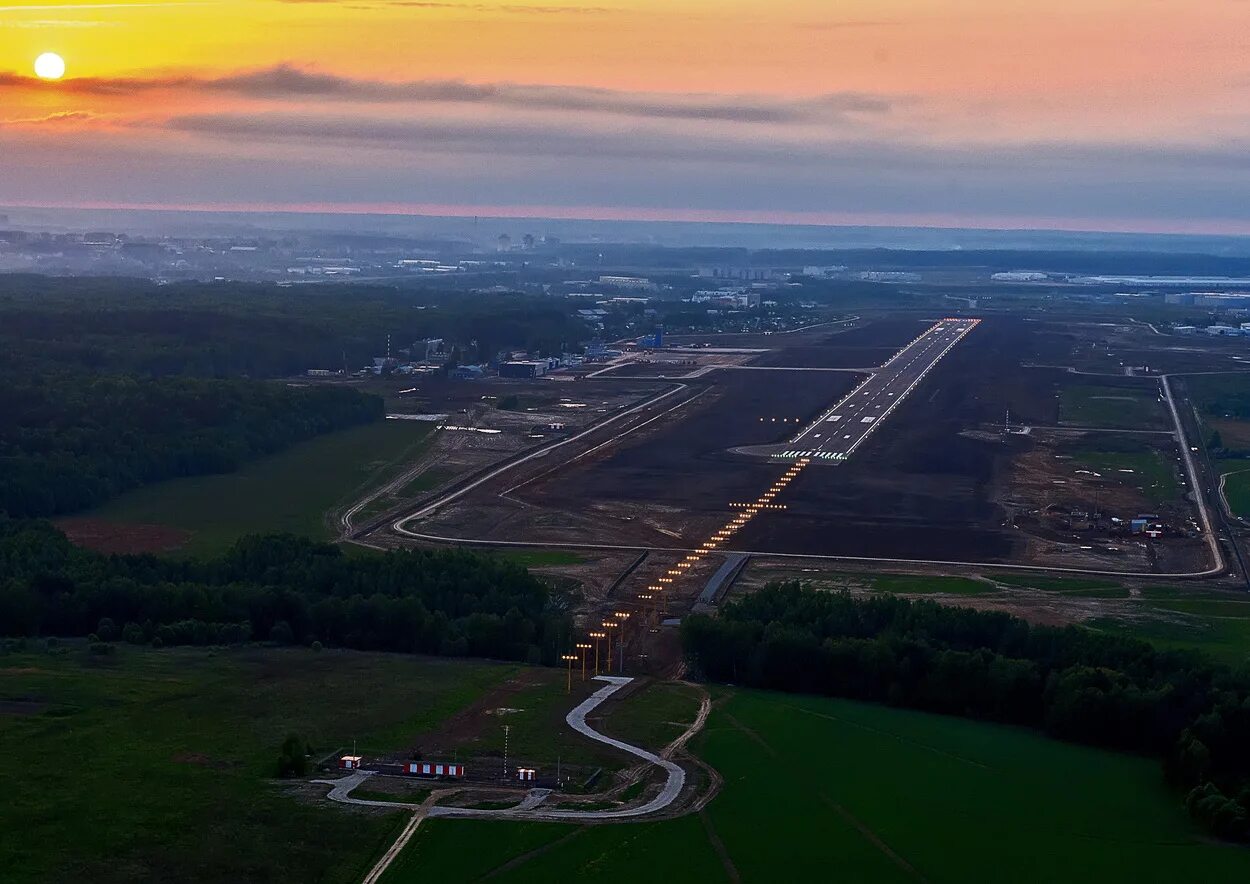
[(301, 159), (851, 147), (52, 119), (290, 83), (430, 135), (286, 81)]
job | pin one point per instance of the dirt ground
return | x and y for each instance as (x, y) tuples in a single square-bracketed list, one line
[(122, 537), (938, 481)]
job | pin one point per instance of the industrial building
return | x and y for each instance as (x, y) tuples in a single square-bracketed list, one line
[(523, 369), (639, 283)]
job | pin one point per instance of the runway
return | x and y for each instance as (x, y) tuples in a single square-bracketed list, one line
[(834, 436)]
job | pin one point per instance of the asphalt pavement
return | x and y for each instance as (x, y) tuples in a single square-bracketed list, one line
[(836, 434)]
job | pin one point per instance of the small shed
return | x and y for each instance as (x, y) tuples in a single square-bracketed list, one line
[(350, 762)]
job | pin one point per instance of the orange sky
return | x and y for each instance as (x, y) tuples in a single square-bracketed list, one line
[(1015, 81)]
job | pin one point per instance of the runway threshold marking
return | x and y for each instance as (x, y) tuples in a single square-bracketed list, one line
[(940, 334)]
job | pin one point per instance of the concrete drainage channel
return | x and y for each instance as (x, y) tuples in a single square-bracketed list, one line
[(531, 807)]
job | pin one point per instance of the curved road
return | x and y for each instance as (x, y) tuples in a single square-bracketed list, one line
[(577, 720), (530, 808)]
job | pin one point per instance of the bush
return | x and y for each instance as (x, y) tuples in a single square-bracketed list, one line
[(101, 649), (282, 634), (293, 757), (106, 629)]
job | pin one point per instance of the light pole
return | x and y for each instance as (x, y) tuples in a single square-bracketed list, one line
[(608, 626), (598, 637), (506, 728), (622, 616), (569, 658), (583, 647)]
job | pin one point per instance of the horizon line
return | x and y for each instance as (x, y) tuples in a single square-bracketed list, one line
[(638, 214)]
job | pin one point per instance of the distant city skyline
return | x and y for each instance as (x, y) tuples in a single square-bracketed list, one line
[(1099, 115)]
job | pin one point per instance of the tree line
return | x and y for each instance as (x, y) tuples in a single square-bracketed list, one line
[(280, 588), (234, 329), (1073, 683), (69, 441)]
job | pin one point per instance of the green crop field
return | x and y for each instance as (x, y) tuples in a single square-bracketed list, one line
[(1117, 407), (820, 789), (153, 765), (1151, 471), (291, 491)]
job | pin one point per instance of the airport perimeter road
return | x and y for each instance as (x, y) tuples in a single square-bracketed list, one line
[(835, 435)]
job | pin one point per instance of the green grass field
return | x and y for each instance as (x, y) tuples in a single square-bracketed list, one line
[(537, 558), (291, 491), (1070, 586), (655, 716), (1115, 407), (923, 584), (427, 481), (153, 765), (1151, 471), (904, 584), (537, 733), (820, 789), (1236, 485), (1219, 626)]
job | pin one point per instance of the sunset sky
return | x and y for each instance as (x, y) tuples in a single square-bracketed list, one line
[(1097, 114)]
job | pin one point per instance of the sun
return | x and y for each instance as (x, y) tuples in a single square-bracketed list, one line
[(49, 66)]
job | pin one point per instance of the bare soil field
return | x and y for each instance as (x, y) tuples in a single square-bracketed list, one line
[(865, 346), (122, 537), (937, 481)]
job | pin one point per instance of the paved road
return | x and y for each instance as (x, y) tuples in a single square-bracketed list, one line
[(531, 807), (836, 434), (544, 451), (577, 720)]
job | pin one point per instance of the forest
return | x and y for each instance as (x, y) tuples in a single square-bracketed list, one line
[(110, 384), (1073, 683), (70, 441), (280, 588), (235, 329)]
